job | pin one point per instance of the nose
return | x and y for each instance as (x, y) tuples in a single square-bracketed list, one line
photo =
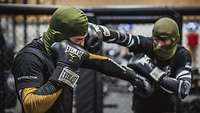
[(160, 43)]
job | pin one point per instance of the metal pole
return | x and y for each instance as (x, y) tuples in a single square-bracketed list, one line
[(25, 25), (14, 27), (38, 21), (179, 19), (110, 10)]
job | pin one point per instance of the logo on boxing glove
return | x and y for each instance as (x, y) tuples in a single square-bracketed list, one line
[(69, 77), (145, 61), (73, 52)]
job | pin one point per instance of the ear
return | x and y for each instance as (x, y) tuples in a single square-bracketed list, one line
[(176, 40)]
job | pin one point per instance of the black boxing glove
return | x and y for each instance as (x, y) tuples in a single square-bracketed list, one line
[(93, 40), (143, 87), (144, 66), (69, 57)]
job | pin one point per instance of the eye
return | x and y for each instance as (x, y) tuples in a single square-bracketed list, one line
[(78, 39), (81, 39), (155, 40)]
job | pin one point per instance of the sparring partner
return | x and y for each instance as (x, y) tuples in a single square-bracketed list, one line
[(46, 69), (161, 60)]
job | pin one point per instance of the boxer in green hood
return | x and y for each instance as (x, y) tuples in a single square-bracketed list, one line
[(159, 59), (45, 69)]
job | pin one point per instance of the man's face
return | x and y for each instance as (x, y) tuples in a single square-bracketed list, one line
[(162, 42), (164, 48), (79, 40)]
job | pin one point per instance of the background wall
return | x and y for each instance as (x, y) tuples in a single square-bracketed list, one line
[(111, 2)]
